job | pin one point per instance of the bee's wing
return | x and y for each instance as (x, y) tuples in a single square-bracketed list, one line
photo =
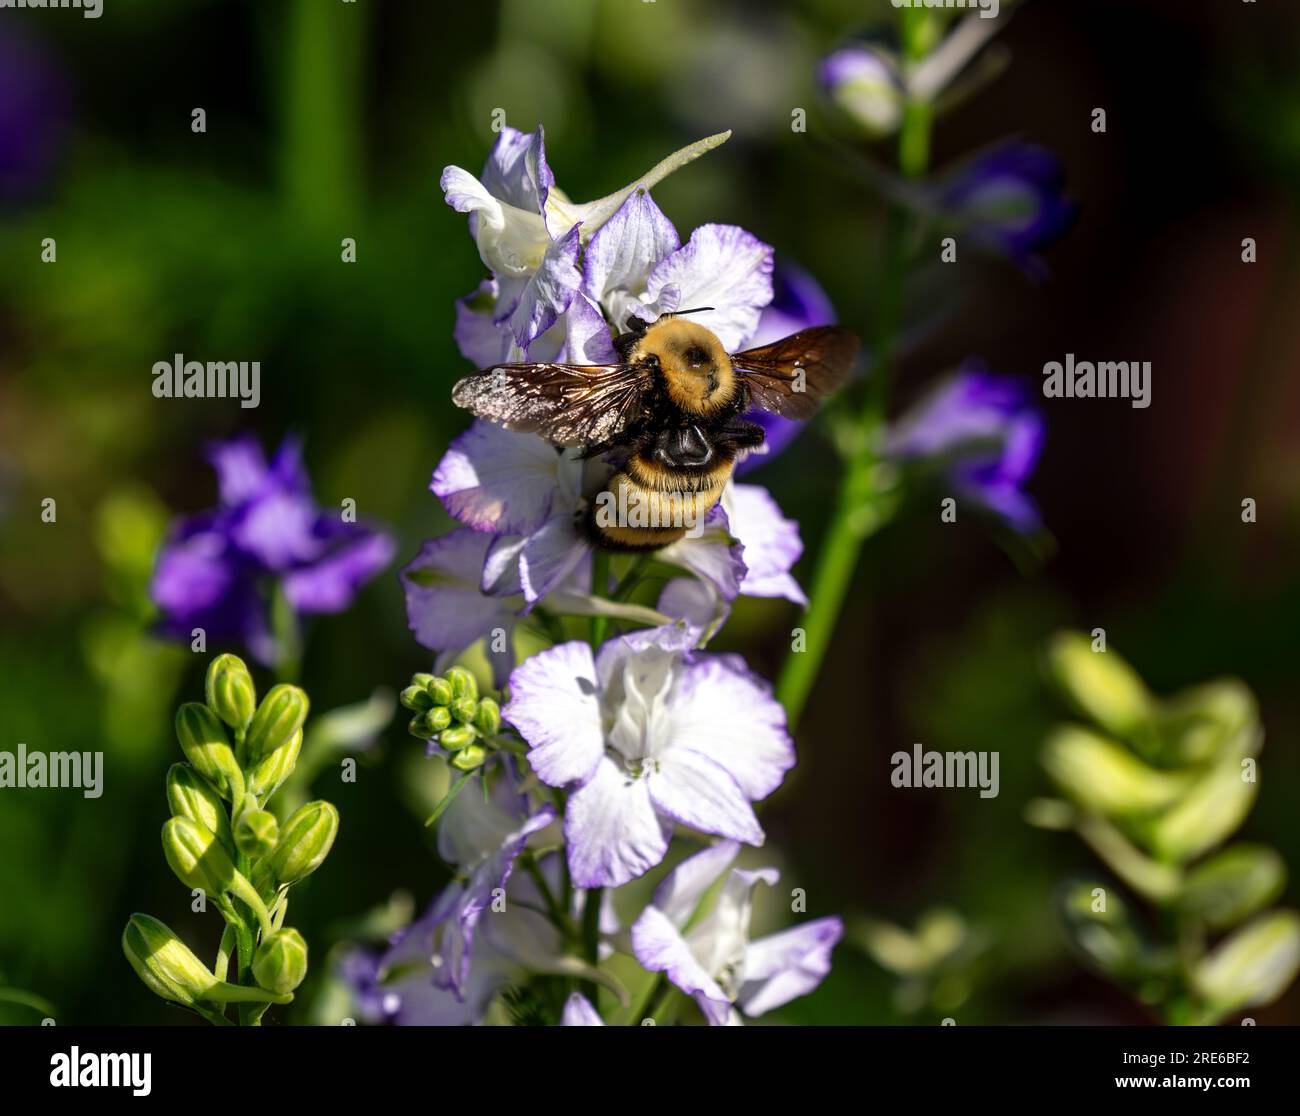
[(771, 373), (567, 404)]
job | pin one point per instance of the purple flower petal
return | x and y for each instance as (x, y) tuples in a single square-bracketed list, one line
[(660, 948), (770, 544), (240, 466), (445, 607), (480, 339), (785, 966), (498, 480), (622, 253), (547, 292), (330, 583), (516, 170), (578, 1012), (713, 555), (550, 555), (721, 266), (984, 432)]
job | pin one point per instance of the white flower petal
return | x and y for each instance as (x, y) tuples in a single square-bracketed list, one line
[(661, 949), (498, 480), (785, 966), (578, 1012), (722, 710), (692, 789), (721, 266), (555, 706), (612, 830), (623, 252), (680, 892)]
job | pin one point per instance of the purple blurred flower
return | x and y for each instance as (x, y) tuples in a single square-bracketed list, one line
[(1011, 200), (647, 735), (218, 569), (798, 302), (712, 958), (984, 434), (35, 104), (866, 82)]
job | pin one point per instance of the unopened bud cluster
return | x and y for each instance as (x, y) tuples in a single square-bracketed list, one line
[(449, 711), (1156, 786), (222, 840)]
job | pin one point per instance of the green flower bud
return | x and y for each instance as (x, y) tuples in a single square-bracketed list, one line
[(1211, 810), (1101, 928), (199, 861), (256, 832), (280, 964), (439, 718), (270, 772), (191, 796), (488, 718), (424, 680), (305, 841), (467, 759), (464, 710), (166, 964), (230, 691), (420, 727), (1253, 966), (1232, 885), (463, 683), (196, 856), (169, 968), (281, 714), (1104, 777), (1100, 683), (441, 691), (457, 737), (416, 698), (204, 742)]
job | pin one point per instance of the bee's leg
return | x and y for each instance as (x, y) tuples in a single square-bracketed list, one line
[(739, 433)]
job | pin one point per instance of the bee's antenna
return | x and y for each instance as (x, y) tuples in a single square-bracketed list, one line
[(695, 310)]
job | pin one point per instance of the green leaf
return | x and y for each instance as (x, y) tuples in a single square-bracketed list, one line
[(1232, 885)]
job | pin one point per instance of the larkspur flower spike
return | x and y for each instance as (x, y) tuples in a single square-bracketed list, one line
[(223, 842)]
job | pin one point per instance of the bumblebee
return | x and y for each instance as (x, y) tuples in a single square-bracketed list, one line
[(669, 414)]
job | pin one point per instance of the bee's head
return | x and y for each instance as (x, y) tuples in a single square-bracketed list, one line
[(696, 368)]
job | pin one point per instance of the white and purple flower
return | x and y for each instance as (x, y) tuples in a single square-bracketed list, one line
[(530, 237), (983, 434), (647, 735), (710, 956), (219, 569), (482, 840)]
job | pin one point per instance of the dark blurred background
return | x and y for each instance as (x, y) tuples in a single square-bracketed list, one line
[(333, 120)]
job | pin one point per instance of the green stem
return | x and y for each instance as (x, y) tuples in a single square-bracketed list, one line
[(557, 914), (860, 510), (322, 98), (599, 587), (591, 935)]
